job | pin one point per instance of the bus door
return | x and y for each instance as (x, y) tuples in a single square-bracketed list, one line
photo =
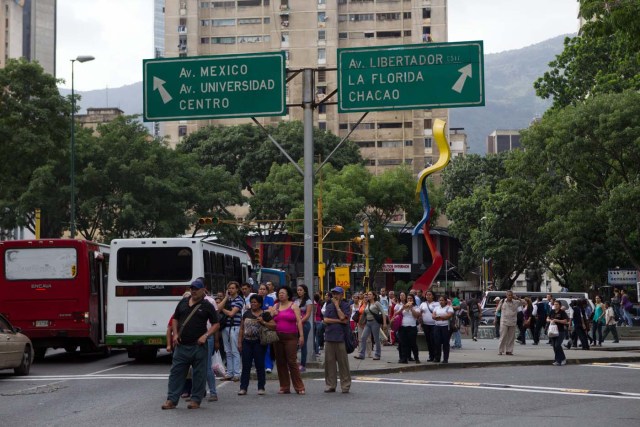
[(97, 298)]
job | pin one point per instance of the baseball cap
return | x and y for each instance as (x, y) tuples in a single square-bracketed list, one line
[(338, 290), (496, 299), (198, 284)]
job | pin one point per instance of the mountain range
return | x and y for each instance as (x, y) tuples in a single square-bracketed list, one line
[(510, 100)]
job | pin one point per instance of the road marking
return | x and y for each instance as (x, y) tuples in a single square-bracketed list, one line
[(219, 382), (110, 369), (503, 387), (616, 365)]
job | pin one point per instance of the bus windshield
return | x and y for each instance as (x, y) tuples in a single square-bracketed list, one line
[(163, 264), (40, 263)]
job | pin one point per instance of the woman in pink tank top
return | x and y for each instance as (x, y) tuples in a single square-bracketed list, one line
[(290, 336)]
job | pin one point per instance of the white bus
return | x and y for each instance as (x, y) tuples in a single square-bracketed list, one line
[(147, 278)]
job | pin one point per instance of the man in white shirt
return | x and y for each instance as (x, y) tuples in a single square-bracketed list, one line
[(428, 323), (272, 291)]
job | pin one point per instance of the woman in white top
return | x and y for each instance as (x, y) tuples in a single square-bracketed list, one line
[(428, 324), (409, 331), (372, 312), (441, 315)]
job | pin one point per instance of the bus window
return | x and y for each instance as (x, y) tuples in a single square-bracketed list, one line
[(237, 270), (228, 267), (207, 269), (220, 264), (164, 264), (40, 263)]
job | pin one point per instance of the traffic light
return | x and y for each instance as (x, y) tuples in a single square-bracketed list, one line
[(208, 220), (256, 255)]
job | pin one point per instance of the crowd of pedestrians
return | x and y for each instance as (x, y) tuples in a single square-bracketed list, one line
[(240, 322)]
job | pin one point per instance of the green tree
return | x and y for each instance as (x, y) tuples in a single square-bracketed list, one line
[(595, 148), (603, 58), (34, 153), (132, 185), (247, 152)]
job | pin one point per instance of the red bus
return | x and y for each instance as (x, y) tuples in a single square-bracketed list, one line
[(55, 290)]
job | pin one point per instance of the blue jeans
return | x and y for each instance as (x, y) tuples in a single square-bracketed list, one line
[(185, 356), (230, 342), (211, 379), (627, 317), (252, 352), (306, 327), (268, 361), (557, 347), (457, 339), (372, 328)]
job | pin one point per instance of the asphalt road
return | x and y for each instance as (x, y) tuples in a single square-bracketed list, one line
[(84, 390)]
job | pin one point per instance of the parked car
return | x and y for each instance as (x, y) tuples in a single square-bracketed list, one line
[(16, 350), (488, 316)]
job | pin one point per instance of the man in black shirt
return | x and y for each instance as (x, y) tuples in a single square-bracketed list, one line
[(190, 334)]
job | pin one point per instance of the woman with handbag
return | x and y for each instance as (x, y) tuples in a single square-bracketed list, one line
[(290, 335), (558, 321), (249, 345), (373, 318)]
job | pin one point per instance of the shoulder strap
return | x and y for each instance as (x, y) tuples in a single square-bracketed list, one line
[(193, 311)]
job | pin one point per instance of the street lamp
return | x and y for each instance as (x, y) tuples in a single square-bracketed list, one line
[(72, 228), (446, 274)]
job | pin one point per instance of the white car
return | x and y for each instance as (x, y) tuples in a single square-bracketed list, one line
[(16, 351)]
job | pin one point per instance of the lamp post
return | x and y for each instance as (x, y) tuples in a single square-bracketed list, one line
[(446, 274), (72, 226)]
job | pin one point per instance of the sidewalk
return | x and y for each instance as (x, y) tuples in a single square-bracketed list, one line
[(484, 353)]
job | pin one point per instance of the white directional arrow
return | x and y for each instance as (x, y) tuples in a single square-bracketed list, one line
[(466, 72), (158, 85)]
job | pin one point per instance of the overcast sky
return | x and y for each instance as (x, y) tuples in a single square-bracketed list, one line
[(119, 33)]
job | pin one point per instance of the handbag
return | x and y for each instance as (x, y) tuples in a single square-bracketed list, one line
[(396, 322), (268, 336), (553, 331), (376, 316), (217, 366), (349, 340)]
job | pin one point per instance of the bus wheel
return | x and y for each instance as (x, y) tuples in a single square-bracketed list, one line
[(40, 352)]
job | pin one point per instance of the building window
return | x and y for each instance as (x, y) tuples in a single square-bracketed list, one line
[(343, 17), (388, 34), (225, 4), (427, 124), (322, 16), (389, 162), (407, 33), (322, 75), (322, 125), (205, 22), (358, 17), (182, 131), (428, 143), (322, 56), (322, 1), (391, 125), (204, 5), (223, 22), (250, 3), (267, 20), (204, 40), (372, 162), (406, 15), (223, 40), (390, 144), (389, 16), (426, 13), (343, 36), (408, 143), (284, 38), (248, 21), (366, 144), (343, 126), (322, 35), (408, 161), (369, 35)]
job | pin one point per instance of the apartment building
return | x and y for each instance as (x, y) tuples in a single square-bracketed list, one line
[(28, 30), (503, 140), (310, 32)]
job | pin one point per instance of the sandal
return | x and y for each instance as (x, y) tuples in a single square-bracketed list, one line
[(301, 391), (284, 391)]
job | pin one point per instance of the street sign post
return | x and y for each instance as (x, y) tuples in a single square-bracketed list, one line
[(214, 87), (408, 77)]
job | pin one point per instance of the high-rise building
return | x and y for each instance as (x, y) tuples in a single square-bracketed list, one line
[(28, 30), (503, 140), (310, 32)]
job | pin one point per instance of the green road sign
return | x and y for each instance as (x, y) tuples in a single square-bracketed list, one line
[(214, 87), (408, 77)]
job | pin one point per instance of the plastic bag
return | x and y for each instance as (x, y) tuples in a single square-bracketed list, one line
[(217, 365)]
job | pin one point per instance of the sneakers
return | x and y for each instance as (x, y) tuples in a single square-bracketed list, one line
[(556, 364), (235, 379), (213, 398), (564, 362), (302, 368), (268, 371), (261, 392), (475, 338)]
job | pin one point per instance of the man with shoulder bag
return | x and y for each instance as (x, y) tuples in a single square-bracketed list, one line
[(190, 335), (337, 331)]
